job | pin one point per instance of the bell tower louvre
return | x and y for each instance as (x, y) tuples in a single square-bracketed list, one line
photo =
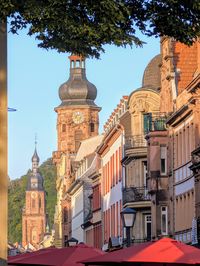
[(77, 120), (34, 212)]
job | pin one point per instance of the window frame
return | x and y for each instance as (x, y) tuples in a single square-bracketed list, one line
[(164, 212), (163, 156)]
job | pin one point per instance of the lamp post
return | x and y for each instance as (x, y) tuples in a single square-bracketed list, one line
[(72, 242), (128, 217)]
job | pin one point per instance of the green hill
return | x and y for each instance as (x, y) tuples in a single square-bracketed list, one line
[(16, 199)]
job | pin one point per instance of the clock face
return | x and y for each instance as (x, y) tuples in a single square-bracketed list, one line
[(78, 117), (33, 195)]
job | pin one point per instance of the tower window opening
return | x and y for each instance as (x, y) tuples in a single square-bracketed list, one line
[(40, 203), (78, 137), (92, 127), (72, 64), (78, 63), (33, 203), (63, 127)]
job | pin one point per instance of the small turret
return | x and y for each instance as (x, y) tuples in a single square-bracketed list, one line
[(35, 180), (35, 161)]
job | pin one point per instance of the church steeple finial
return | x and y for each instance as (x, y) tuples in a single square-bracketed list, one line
[(35, 141), (35, 158)]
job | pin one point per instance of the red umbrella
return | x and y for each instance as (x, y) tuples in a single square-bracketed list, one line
[(70, 256), (163, 251), (19, 257)]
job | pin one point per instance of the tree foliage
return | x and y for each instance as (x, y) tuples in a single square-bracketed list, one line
[(16, 199), (85, 26)]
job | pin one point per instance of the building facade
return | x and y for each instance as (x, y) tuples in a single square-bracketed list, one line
[(184, 134), (81, 189), (143, 107), (111, 152), (148, 158), (171, 181), (93, 225), (77, 119), (34, 212)]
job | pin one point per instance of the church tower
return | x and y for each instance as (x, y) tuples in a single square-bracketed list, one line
[(77, 114), (77, 120), (34, 212)]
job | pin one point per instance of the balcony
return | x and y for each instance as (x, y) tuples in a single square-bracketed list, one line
[(156, 183), (135, 194), (154, 122), (135, 141)]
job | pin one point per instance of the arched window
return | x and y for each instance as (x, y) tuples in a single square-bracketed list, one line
[(40, 202), (65, 215), (34, 235), (91, 127), (78, 63), (33, 203)]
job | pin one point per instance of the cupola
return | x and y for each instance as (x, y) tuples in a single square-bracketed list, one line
[(77, 90)]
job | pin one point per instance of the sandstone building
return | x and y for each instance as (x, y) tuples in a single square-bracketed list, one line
[(110, 152), (34, 212), (171, 181), (77, 119), (143, 105), (148, 159), (81, 192)]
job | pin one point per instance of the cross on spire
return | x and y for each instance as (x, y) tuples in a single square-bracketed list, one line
[(35, 140)]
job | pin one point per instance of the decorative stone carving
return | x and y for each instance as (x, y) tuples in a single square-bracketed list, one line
[(196, 158), (144, 100), (195, 167)]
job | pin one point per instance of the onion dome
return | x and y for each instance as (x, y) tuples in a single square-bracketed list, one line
[(77, 90), (151, 76)]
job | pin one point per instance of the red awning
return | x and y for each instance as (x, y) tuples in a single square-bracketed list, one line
[(70, 256), (164, 251)]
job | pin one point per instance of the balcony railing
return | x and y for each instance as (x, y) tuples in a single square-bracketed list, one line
[(137, 240), (135, 141), (154, 122), (135, 194)]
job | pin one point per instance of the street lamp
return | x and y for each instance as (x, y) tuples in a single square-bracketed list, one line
[(72, 242), (128, 217)]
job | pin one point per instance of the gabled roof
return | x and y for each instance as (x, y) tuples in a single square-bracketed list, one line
[(88, 147)]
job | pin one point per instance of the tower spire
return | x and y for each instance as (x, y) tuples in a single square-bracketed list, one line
[(35, 141), (35, 158)]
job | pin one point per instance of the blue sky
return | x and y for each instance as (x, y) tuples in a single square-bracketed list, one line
[(34, 76)]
